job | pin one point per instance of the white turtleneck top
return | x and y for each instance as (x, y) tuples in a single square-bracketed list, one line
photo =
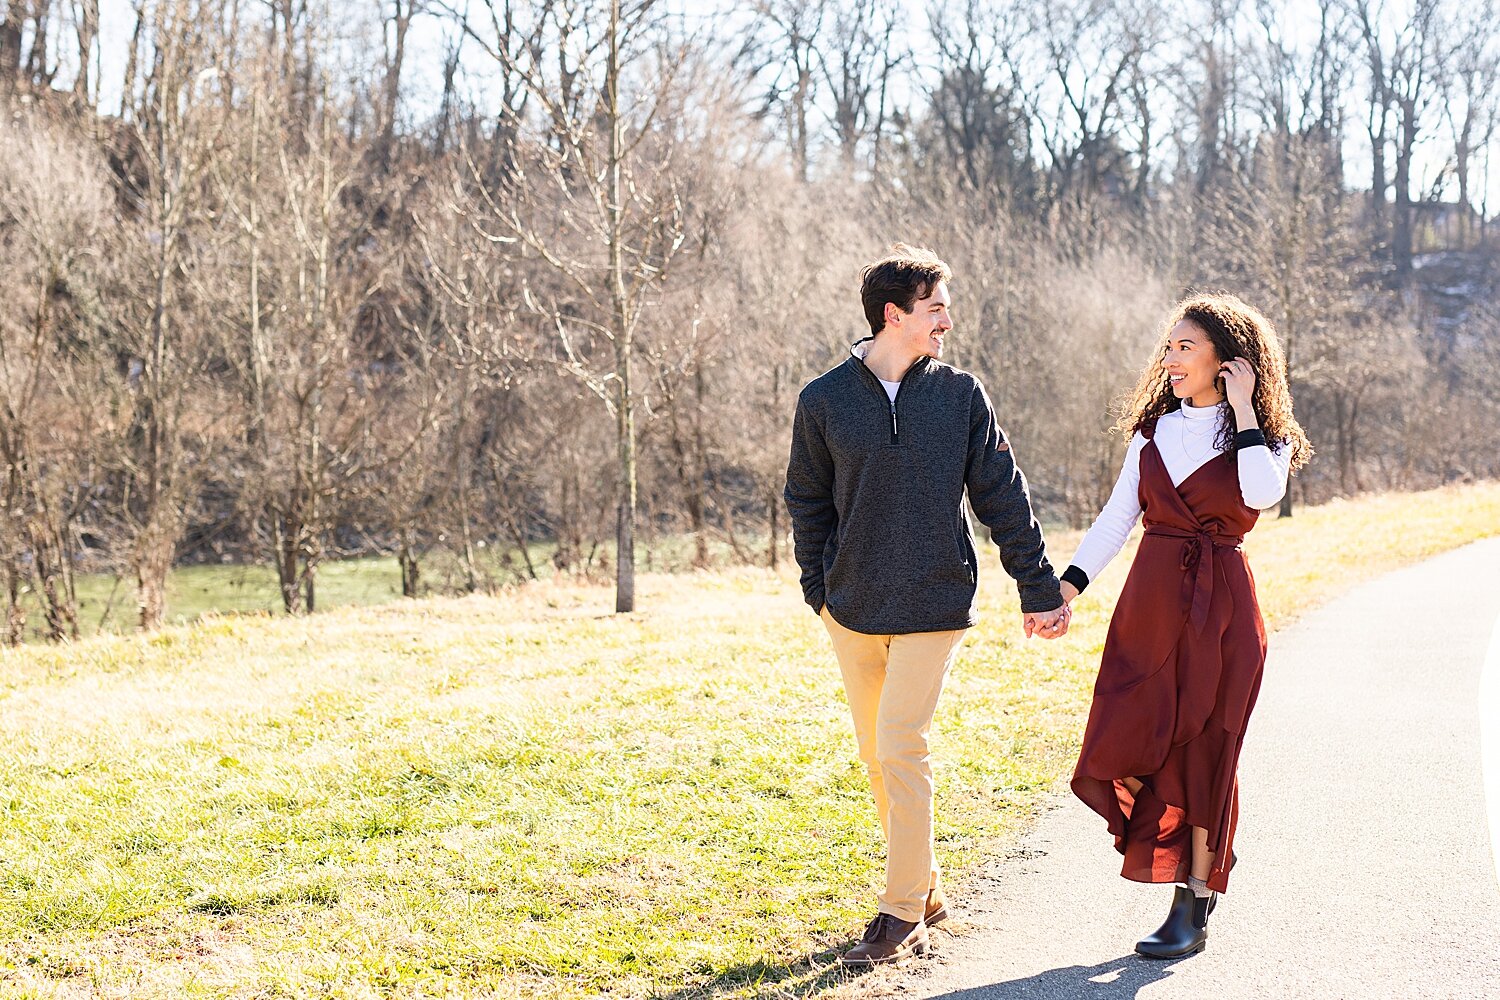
[(1185, 439)]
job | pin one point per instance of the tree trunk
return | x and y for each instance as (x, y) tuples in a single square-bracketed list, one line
[(255, 430), (773, 506), (1285, 510), (132, 60), (288, 528), (153, 558), (411, 572), (1353, 440), (624, 399), (15, 615), (1462, 157), (1341, 441), (88, 30), (36, 62), (158, 462), (464, 474), (699, 471), (689, 477), (800, 98), (10, 52), (517, 532), (466, 534), (49, 551), (1401, 241)]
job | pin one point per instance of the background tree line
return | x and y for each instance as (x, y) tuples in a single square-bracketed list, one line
[(268, 309)]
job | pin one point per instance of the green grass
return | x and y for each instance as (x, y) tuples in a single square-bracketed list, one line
[(106, 603), (525, 795)]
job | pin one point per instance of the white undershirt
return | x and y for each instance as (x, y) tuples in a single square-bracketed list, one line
[(1185, 439), (891, 388)]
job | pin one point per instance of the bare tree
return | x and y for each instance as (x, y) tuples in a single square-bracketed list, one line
[(594, 201), (318, 402), (1075, 71), (86, 26), (53, 370), (174, 137), (396, 27), (865, 50), (1469, 75), (784, 52), (973, 120), (1403, 51)]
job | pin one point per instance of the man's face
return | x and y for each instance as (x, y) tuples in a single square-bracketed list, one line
[(921, 331)]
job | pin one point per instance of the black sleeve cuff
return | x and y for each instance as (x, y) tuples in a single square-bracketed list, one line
[(1249, 439), (1077, 577)]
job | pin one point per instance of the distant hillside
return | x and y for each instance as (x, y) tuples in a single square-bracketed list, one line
[(1456, 295)]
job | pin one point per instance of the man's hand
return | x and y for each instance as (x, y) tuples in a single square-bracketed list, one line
[(1047, 624)]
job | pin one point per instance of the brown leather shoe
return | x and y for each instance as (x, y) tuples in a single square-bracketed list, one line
[(888, 939), (937, 908)]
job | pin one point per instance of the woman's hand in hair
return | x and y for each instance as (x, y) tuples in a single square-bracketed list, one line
[(1239, 390)]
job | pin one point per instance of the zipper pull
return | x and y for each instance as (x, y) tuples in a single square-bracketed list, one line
[(894, 432)]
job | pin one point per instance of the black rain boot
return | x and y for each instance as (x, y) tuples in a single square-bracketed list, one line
[(1185, 931)]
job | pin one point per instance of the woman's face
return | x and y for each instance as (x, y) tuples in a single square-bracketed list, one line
[(1191, 364)]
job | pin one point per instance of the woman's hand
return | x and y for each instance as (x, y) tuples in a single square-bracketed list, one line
[(1047, 624), (1070, 593), (1239, 389)]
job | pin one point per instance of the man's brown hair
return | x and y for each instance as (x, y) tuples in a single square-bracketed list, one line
[(904, 275)]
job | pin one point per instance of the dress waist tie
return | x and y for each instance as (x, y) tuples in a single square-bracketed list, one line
[(1198, 558)]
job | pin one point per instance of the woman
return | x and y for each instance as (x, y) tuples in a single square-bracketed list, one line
[(1213, 440)]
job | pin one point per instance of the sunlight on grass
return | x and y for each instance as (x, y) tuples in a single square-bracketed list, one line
[(527, 796), (106, 603)]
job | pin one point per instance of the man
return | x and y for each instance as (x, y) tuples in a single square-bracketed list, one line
[(883, 447)]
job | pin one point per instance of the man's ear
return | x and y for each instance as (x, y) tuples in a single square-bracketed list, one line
[(893, 313)]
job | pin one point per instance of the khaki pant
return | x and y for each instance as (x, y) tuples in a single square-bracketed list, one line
[(893, 683)]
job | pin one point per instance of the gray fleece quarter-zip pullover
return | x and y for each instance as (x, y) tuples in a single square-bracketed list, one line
[(875, 491)]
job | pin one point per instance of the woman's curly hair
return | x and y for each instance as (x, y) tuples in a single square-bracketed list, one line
[(1236, 330)]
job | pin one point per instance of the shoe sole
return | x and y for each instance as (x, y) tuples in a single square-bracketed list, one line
[(1175, 954), (936, 918), (914, 951)]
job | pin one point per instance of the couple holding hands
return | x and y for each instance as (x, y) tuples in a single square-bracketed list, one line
[(884, 447)]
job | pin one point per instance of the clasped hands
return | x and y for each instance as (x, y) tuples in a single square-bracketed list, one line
[(1052, 624)]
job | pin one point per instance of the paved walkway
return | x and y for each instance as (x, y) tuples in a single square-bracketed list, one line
[(1366, 855)]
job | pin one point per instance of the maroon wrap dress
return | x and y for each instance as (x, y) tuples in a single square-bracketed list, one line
[(1178, 678)]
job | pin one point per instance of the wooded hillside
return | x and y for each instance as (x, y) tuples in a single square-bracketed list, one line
[(271, 308)]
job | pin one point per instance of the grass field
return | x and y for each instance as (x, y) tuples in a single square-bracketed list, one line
[(526, 796), (106, 603)]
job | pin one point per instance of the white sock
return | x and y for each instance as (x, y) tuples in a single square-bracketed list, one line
[(1199, 886)]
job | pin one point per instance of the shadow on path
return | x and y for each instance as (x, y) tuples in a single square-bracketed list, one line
[(1118, 979)]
